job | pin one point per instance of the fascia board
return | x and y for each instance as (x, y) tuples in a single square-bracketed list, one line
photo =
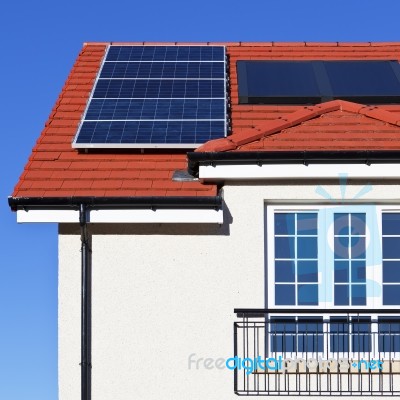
[(298, 171), (122, 216)]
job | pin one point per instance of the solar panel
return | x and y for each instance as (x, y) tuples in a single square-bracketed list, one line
[(171, 70), (156, 96), (158, 88), (364, 78), (166, 53), (311, 82), (155, 109)]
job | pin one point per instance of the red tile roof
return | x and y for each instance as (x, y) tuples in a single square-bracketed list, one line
[(55, 169), (335, 125)]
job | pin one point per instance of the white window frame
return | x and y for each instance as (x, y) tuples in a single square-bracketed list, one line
[(374, 273)]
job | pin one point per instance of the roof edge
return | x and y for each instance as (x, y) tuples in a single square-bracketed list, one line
[(73, 202), (292, 157), (251, 44)]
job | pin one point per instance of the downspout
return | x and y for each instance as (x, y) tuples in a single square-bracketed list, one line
[(86, 307)]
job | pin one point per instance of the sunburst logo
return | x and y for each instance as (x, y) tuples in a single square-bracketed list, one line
[(321, 191), (349, 231)]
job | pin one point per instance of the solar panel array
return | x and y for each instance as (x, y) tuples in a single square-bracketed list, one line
[(312, 82), (156, 96)]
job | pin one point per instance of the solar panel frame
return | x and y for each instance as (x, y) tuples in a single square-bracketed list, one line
[(81, 138)]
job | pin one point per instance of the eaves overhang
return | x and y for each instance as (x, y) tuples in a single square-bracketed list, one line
[(323, 164), (151, 209)]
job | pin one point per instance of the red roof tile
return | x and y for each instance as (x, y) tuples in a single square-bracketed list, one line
[(56, 169), (335, 125)]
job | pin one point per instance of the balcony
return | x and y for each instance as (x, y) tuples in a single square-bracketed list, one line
[(316, 352)]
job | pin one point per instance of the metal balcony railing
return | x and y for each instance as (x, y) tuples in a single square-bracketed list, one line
[(316, 352)]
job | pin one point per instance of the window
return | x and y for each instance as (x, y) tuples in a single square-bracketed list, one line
[(296, 259), (351, 335), (312, 82), (341, 256), (389, 335), (350, 259), (334, 257), (391, 258), (296, 335)]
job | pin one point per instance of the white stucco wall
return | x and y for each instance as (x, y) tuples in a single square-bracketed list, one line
[(162, 292)]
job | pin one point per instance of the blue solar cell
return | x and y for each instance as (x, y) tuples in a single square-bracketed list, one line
[(129, 109), (165, 53), (157, 132), (172, 70), (157, 88), (157, 95)]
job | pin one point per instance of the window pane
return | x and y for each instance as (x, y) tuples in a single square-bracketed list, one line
[(361, 325), (361, 337), (341, 295), (339, 335), (310, 343), (358, 295), (341, 247), (389, 334), (307, 224), (283, 334), (339, 325), (358, 224), (361, 343), (307, 247), (283, 325), (285, 295), (310, 337), (358, 247), (341, 224), (283, 343), (284, 247), (284, 271), (307, 295), (358, 271), (310, 324), (391, 295), (307, 271), (284, 224), (391, 271), (341, 271), (391, 224), (389, 325), (389, 343), (391, 247)]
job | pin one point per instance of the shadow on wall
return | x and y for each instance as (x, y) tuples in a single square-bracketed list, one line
[(155, 229)]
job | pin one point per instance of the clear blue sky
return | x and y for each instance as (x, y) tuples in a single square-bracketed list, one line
[(40, 41)]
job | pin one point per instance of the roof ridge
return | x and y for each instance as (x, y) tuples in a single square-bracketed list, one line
[(297, 117)]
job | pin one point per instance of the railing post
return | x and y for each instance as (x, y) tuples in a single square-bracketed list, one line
[(235, 347)]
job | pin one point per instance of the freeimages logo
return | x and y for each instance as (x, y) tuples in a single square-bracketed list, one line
[(251, 365), (278, 364)]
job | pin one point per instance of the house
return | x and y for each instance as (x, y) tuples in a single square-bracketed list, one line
[(228, 219)]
